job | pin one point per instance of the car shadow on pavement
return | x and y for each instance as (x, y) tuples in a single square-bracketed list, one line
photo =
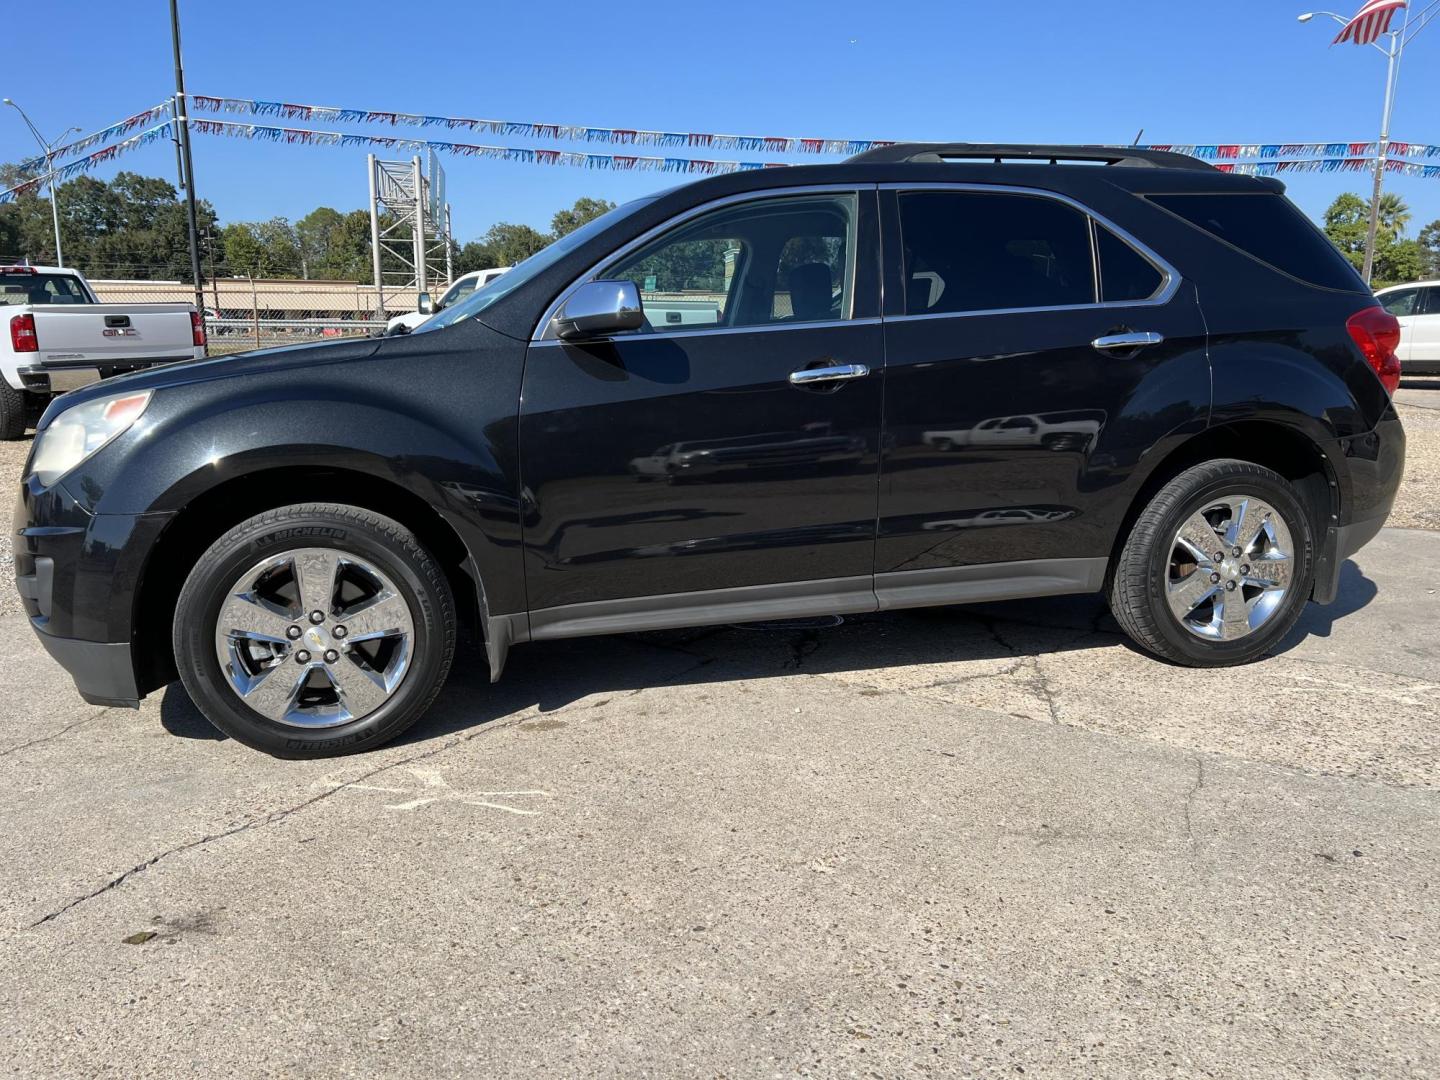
[(1318, 620), (553, 675)]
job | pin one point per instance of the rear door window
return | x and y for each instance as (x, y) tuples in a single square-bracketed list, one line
[(1268, 228), (1404, 302), (988, 251), (1125, 274)]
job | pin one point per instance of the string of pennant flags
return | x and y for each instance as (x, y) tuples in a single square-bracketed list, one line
[(96, 138), (88, 162), (1252, 159), (769, 144)]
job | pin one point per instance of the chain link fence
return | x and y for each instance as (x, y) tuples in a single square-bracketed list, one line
[(250, 313)]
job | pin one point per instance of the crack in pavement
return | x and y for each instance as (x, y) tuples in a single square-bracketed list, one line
[(54, 734), (280, 815)]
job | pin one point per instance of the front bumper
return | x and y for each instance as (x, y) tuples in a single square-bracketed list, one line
[(103, 672), (78, 574)]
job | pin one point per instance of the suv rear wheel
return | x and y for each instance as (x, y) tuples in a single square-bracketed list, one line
[(314, 630), (1217, 567)]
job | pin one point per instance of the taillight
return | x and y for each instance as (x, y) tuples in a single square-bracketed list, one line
[(1377, 332), (197, 327), (22, 334)]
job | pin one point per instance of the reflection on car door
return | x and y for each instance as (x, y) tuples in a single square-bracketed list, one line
[(670, 464), (1011, 421)]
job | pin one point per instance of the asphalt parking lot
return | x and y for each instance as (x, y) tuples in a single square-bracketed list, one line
[(975, 841)]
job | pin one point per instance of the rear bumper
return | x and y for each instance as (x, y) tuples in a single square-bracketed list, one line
[(1374, 464), (59, 377)]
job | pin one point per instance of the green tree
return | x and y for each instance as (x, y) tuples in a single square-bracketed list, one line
[(584, 210), (510, 244), (1394, 214), (334, 246), (1430, 248), (473, 256)]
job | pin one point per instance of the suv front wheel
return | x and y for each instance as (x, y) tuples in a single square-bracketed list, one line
[(1217, 567), (315, 630)]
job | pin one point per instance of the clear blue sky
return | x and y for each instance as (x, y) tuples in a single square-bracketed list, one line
[(1223, 71)]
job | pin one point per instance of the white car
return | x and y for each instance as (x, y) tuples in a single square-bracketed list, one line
[(463, 287), (1417, 307)]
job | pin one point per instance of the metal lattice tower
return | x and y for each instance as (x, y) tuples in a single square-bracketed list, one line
[(409, 230)]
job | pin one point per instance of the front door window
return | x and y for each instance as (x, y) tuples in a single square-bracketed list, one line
[(775, 261)]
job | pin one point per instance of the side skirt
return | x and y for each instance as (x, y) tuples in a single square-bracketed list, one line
[(798, 599)]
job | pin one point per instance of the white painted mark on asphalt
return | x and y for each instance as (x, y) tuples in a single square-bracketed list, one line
[(1328, 686), (434, 788)]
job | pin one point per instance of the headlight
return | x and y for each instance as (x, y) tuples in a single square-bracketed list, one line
[(78, 432)]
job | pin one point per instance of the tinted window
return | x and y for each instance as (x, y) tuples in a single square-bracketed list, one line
[(775, 260), (1429, 302), (1125, 274), (1405, 302), (41, 289), (1271, 229), (526, 271), (978, 251)]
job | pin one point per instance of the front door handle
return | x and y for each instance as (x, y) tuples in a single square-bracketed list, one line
[(1127, 341), (832, 373)]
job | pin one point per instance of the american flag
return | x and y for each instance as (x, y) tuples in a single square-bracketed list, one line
[(1370, 22)]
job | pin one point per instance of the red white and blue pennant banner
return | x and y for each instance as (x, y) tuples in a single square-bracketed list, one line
[(768, 144), (104, 135), (307, 137), (88, 162), (1220, 152)]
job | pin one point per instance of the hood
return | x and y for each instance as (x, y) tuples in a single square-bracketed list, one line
[(310, 354)]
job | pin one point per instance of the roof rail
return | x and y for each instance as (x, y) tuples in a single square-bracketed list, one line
[(999, 153)]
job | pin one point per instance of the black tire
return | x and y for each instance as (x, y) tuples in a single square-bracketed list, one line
[(1138, 584), (383, 543), (14, 412)]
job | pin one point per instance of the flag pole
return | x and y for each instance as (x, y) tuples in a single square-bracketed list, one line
[(1392, 76)]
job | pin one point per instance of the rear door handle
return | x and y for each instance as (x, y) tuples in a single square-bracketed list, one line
[(1128, 341), (833, 373)]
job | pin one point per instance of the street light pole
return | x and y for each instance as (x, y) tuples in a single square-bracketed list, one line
[(1392, 75), (49, 149), (1394, 53), (182, 134)]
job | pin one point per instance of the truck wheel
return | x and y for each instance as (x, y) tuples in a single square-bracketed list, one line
[(13, 412), (1217, 567), (315, 630)]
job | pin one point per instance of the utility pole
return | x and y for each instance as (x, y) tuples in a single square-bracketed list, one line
[(182, 134)]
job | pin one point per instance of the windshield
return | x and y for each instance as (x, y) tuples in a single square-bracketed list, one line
[(28, 288), (526, 271)]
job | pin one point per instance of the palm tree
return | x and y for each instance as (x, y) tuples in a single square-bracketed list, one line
[(1394, 214)]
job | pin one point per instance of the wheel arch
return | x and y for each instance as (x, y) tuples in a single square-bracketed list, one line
[(1280, 447), (210, 514)]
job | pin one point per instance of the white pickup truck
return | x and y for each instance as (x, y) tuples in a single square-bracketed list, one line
[(463, 287), (61, 338)]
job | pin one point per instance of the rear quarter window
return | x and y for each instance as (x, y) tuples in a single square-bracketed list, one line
[(1268, 228)]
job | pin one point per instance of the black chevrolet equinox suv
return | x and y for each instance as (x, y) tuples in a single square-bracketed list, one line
[(931, 374)]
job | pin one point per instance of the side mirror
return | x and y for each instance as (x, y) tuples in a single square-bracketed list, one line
[(426, 306), (598, 308)]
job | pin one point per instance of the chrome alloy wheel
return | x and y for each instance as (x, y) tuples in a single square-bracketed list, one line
[(314, 638), (1230, 566)]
